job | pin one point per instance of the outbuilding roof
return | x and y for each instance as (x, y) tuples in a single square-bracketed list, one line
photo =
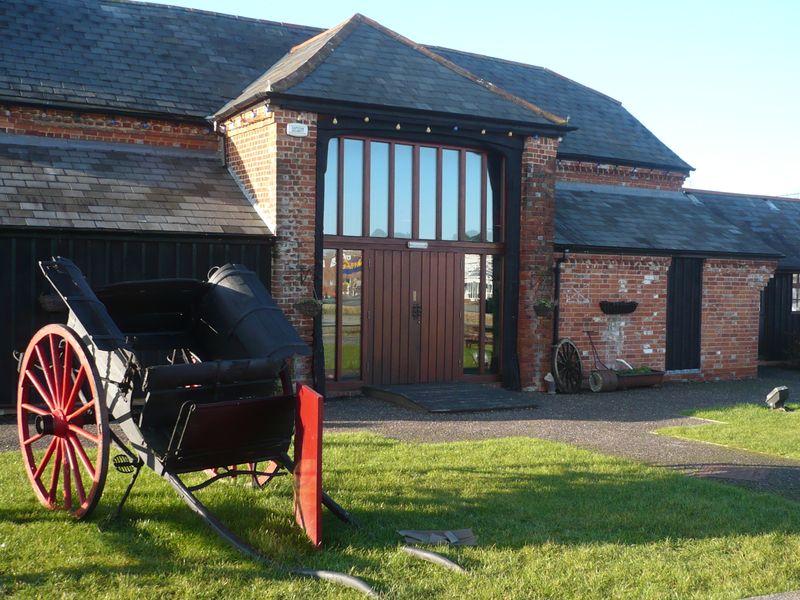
[(156, 59), (361, 62), (775, 221), (48, 182), (615, 218)]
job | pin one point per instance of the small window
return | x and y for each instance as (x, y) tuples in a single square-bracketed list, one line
[(795, 292)]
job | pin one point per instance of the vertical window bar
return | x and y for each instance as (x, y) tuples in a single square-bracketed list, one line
[(365, 187), (462, 196), (339, 302), (502, 201), (482, 318), (340, 193), (391, 190), (439, 193), (484, 208), (415, 193)]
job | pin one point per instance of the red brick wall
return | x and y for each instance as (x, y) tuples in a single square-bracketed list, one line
[(610, 174), (639, 337), (537, 228), (729, 321), (77, 125), (731, 300), (278, 172)]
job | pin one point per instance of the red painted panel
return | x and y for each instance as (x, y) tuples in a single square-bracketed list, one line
[(308, 463)]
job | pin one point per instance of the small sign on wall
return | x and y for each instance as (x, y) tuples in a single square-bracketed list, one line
[(297, 129)]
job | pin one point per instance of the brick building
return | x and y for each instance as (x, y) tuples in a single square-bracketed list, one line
[(429, 197)]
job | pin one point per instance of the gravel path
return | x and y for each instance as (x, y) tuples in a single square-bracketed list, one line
[(619, 423)]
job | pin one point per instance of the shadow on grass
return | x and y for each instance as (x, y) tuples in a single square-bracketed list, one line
[(511, 500)]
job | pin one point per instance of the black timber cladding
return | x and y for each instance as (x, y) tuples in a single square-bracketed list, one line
[(635, 220), (103, 257), (779, 326), (126, 56), (48, 182), (684, 313)]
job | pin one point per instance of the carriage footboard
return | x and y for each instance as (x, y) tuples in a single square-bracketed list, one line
[(208, 435)]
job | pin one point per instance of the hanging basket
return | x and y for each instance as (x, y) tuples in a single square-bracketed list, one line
[(310, 307), (542, 309), (622, 307)]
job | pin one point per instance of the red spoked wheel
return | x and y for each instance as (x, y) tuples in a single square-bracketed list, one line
[(62, 422), (260, 474)]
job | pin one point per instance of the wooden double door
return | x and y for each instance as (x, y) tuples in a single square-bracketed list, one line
[(414, 321)]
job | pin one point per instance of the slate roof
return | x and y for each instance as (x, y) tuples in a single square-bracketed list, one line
[(134, 56), (606, 130), (775, 221), (56, 183), (607, 217), (360, 61), (120, 55)]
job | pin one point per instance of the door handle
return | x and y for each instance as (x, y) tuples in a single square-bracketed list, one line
[(416, 312)]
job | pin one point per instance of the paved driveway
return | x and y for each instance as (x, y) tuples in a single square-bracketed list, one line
[(619, 423)]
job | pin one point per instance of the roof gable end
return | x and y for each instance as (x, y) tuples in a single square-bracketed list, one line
[(360, 60)]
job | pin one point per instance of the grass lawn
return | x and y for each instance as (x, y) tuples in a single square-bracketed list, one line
[(552, 521), (748, 427)]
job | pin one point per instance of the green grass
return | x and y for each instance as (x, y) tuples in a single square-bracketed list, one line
[(747, 427), (552, 521)]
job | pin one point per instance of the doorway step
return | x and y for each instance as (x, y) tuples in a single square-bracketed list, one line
[(452, 397)]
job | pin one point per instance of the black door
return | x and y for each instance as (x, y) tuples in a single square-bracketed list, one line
[(684, 307)]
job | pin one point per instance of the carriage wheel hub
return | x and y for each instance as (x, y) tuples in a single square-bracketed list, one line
[(53, 424)]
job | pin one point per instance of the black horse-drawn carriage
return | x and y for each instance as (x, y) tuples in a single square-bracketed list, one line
[(194, 374)]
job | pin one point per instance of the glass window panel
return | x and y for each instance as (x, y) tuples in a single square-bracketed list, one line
[(353, 188), (379, 189), (795, 292), (472, 193), (492, 318), (402, 190), (331, 188), (352, 277), (427, 193), (472, 303), (450, 194), (490, 208), (329, 311)]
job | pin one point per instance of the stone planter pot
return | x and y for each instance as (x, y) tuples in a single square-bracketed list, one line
[(637, 380)]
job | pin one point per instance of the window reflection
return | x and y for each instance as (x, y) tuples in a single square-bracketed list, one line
[(490, 207), (450, 194), (403, 181), (427, 193), (353, 188), (472, 316), (352, 277), (329, 294), (492, 318), (379, 189), (331, 188), (472, 197)]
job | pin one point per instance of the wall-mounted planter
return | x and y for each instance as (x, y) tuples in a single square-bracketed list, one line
[(623, 307), (310, 307), (627, 381), (543, 310)]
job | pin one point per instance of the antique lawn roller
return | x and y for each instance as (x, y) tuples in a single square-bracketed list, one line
[(195, 375)]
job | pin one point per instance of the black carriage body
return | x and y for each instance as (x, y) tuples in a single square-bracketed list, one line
[(195, 372)]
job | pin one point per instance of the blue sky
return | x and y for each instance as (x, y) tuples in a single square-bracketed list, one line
[(718, 82)]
